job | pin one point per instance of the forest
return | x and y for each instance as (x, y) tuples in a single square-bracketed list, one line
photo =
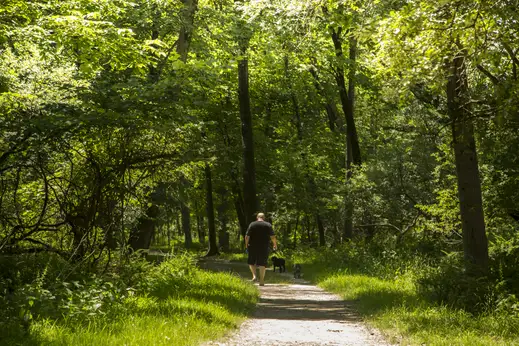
[(380, 138)]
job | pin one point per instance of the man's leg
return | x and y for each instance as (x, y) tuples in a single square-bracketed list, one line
[(253, 270), (262, 274), (251, 261)]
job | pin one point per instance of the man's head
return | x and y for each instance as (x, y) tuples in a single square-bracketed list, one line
[(260, 217)]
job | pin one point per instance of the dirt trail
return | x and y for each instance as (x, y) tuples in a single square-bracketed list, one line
[(299, 314)]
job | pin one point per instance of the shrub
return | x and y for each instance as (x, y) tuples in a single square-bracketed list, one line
[(449, 284)]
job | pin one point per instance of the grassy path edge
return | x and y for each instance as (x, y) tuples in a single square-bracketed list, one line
[(405, 318)]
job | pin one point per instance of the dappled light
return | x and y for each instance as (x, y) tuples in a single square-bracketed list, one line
[(146, 146)]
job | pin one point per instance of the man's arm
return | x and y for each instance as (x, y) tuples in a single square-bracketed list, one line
[(247, 241), (274, 240)]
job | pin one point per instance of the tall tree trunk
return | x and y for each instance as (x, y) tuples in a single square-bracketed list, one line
[(238, 205), (154, 73), (308, 230), (348, 204), (249, 171), (348, 97), (184, 39), (353, 155), (475, 244), (295, 232), (286, 233), (201, 237), (178, 226), (186, 31), (329, 105), (168, 230), (320, 227), (213, 248), (223, 234), (186, 225)]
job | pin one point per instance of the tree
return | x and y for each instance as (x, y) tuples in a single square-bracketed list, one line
[(449, 42), (249, 165)]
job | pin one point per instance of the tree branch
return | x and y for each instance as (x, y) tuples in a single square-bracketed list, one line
[(493, 78), (511, 53)]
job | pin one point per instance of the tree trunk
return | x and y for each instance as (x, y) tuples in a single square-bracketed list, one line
[(184, 38), (168, 230), (223, 234), (213, 248), (186, 225), (141, 235), (348, 97), (348, 204), (107, 221), (475, 244), (201, 237), (178, 226), (329, 105), (353, 156), (295, 233), (308, 230), (249, 171), (320, 227), (238, 205), (286, 233)]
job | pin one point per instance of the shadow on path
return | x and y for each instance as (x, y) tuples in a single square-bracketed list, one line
[(296, 314)]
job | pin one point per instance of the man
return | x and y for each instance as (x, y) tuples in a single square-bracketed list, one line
[(257, 240)]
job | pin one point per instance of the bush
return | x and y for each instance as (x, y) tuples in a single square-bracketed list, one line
[(504, 263), (34, 289), (449, 284), (439, 277)]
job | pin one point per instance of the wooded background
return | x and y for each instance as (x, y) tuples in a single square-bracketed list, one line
[(126, 123)]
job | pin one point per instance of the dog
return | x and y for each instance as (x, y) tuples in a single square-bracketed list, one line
[(297, 271), (278, 262)]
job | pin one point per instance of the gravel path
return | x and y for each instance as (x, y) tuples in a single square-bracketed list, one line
[(304, 315)]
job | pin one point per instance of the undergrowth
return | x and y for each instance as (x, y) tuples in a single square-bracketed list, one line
[(419, 298), (137, 304)]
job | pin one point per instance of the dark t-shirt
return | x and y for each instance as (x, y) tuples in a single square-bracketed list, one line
[(260, 233)]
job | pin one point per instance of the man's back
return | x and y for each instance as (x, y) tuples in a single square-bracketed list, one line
[(260, 233)]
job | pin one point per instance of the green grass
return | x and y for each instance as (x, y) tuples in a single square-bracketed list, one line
[(396, 308), (235, 257), (177, 309), (237, 265)]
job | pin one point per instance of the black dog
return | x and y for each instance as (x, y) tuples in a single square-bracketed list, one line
[(278, 262), (297, 271)]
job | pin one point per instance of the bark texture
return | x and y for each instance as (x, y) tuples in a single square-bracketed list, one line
[(475, 243), (347, 97), (249, 169), (213, 247), (186, 31), (186, 225)]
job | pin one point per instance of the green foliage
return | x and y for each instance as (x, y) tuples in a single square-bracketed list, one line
[(108, 309), (102, 120), (449, 284), (415, 299)]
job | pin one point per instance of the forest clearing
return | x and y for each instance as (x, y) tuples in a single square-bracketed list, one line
[(139, 140)]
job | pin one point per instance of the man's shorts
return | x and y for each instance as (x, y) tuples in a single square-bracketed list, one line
[(258, 257)]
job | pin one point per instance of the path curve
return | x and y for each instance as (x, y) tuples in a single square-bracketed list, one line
[(304, 315)]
